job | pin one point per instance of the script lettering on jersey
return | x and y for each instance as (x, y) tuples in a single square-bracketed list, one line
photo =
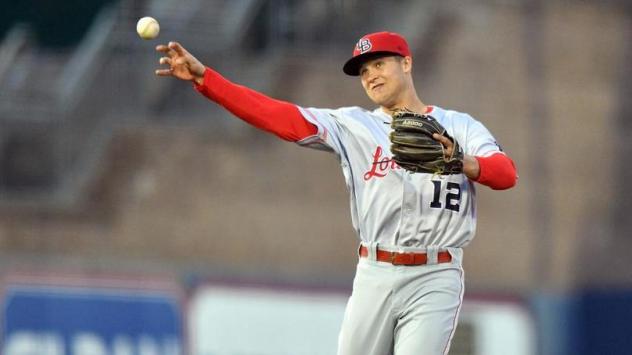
[(380, 166)]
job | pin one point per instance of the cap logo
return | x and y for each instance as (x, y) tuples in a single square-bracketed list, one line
[(364, 45)]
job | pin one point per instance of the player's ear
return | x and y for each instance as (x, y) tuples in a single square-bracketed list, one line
[(407, 64)]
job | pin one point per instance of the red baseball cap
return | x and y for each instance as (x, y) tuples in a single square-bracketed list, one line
[(372, 45)]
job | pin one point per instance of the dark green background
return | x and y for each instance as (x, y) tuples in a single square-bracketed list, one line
[(56, 23)]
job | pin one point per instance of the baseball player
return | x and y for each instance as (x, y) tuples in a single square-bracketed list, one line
[(408, 287)]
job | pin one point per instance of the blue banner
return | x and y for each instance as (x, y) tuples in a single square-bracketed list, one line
[(78, 321)]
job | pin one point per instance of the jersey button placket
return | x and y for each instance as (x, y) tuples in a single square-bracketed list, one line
[(407, 205)]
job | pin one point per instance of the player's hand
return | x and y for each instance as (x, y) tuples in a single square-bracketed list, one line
[(447, 144), (182, 64), (471, 168)]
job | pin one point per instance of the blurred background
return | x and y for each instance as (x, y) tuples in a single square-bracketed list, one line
[(137, 217)]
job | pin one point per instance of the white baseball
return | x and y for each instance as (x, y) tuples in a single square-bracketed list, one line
[(147, 28)]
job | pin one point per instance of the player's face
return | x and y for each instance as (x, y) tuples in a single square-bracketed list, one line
[(384, 79)]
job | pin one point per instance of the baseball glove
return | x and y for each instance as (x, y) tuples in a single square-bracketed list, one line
[(415, 150)]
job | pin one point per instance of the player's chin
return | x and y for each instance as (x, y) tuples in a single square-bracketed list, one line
[(377, 98), (381, 100)]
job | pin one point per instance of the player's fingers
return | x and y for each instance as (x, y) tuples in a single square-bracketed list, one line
[(443, 139), (177, 48), (166, 50), (446, 142), (164, 72), (162, 48), (165, 60)]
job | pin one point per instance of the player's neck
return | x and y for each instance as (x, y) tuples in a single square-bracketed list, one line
[(407, 100), (413, 104)]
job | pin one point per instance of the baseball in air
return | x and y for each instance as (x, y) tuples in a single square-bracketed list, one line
[(147, 28)]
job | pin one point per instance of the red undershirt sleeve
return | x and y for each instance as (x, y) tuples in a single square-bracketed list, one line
[(275, 116), (497, 171)]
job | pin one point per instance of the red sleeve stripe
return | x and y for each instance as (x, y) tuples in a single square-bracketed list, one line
[(275, 116), (497, 171)]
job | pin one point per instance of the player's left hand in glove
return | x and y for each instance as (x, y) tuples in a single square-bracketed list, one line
[(419, 143)]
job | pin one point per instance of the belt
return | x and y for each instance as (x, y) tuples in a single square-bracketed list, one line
[(405, 258)]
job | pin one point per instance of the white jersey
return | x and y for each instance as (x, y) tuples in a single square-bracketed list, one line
[(390, 205)]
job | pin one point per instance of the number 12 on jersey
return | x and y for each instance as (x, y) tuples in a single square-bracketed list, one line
[(452, 197)]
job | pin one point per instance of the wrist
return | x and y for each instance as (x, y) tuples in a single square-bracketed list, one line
[(199, 78), (471, 167)]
